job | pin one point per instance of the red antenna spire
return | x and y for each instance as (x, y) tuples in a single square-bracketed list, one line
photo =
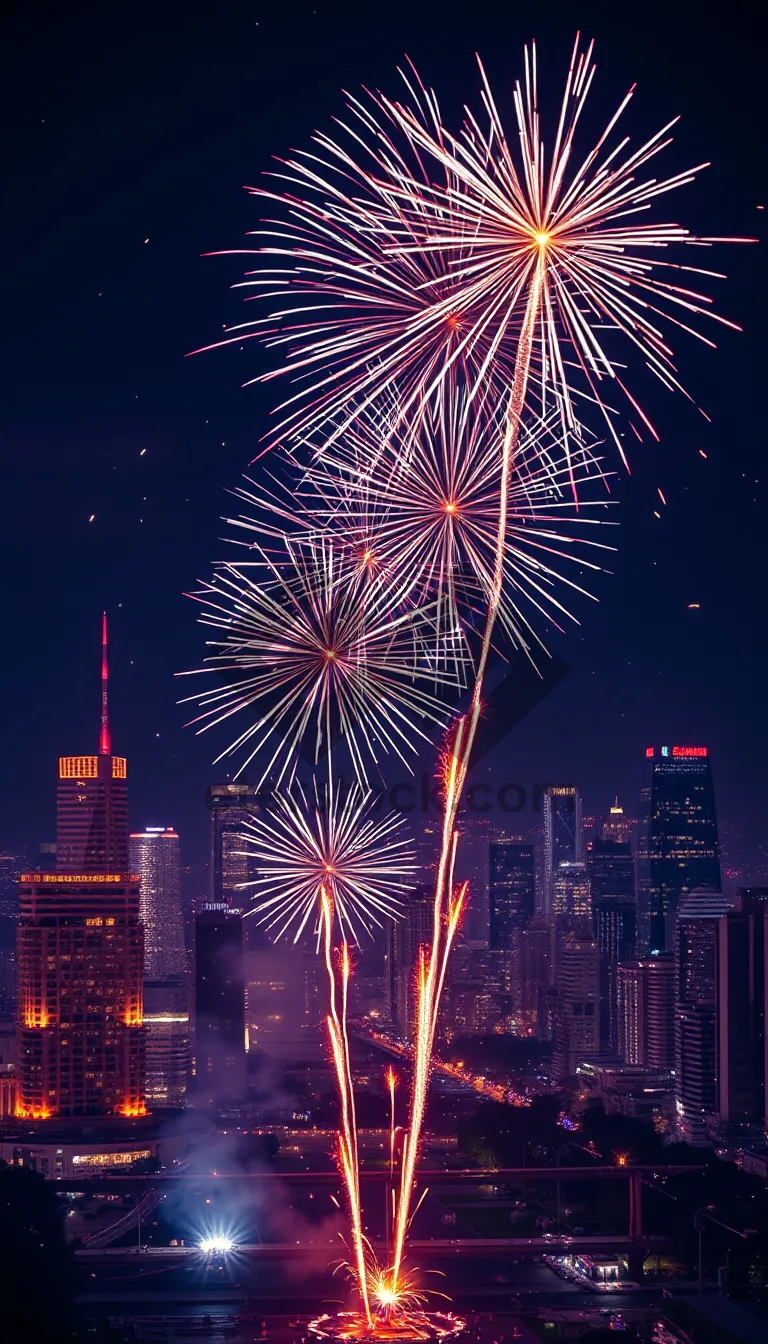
[(105, 748)]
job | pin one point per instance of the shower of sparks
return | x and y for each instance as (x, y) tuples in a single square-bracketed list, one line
[(385, 276), (391, 1079), (300, 849), (303, 648)]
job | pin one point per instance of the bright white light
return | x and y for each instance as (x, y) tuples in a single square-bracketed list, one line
[(218, 1243)]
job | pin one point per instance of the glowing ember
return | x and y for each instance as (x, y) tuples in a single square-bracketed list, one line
[(403, 1327)]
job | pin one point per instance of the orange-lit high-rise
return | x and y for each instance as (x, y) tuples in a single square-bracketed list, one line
[(81, 951)]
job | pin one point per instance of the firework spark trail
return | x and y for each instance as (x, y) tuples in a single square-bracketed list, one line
[(431, 983), (391, 1078), (348, 1153)]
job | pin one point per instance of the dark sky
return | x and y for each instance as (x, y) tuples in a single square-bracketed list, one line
[(124, 123)]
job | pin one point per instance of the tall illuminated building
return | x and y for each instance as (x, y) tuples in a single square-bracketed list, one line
[(80, 951), (405, 936), (512, 891), (617, 826), (577, 1017), (562, 834), (679, 846), (697, 934), (11, 867), (646, 1012), (154, 856), (231, 807)]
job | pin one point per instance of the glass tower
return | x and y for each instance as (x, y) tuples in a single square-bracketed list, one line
[(679, 848)]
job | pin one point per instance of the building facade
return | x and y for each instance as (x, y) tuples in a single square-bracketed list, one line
[(219, 1006), (696, 942), (562, 834), (679, 848), (577, 1024), (512, 891), (742, 1002), (646, 1012)]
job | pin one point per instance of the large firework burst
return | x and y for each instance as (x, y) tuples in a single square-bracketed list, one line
[(389, 277)]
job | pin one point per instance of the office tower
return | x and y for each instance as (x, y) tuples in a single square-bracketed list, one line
[(696, 941), (154, 855), (531, 963), (577, 1023), (219, 1005), (617, 826), (562, 834), (611, 869), (512, 891), (646, 1012), (571, 895), (406, 935), (679, 847), (741, 1011), (166, 1028), (80, 951), (11, 866), (472, 866), (92, 802), (231, 807), (615, 924)]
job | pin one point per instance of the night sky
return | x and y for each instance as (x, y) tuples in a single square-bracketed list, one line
[(128, 133)]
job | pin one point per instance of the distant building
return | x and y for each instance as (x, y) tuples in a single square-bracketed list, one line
[(577, 1027), (11, 866), (562, 834), (512, 888), (611, 869), (406, 935), (646, 1012), (80, 951), (696, 942), (231, 806), (679, 846), (742, 1003), (618, 827), (219, 1006), (532, 972), (615, 924), (154, 855)]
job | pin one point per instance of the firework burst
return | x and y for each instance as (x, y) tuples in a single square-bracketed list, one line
[(316, 656), (301, 848)]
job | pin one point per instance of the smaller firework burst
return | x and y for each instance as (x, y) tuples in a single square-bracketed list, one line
[(303, 846)]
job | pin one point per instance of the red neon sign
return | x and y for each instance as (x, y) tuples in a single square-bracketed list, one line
[(689, 751), (649, 751)]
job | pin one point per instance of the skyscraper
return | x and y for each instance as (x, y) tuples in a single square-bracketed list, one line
[(231, 807), (646, 1012), (617, 826), (696, 941), (406, 935), (611, 869), (219, 1005), (11, 867), (615, 922), (154, 856), (512, 887), (531, 974), (562, 834), (92, 802), (577, 1022), (81, 951), (679, 847), (742, 986)]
